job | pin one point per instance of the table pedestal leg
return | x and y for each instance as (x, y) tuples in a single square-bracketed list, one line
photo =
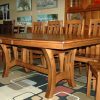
[(51, 72), (66, 69), (69, 66), (8, 59)]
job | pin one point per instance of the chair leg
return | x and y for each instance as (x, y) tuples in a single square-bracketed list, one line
[(30, 57), (98, 88), (89, 81), (2, 55), (80, 68), (94, 83), (43, 60)]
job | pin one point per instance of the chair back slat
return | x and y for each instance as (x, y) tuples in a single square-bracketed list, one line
[(38, 27), (98, 30), (54, 27), (98, 50), (94, 27)]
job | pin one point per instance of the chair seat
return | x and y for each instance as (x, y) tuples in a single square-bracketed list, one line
[(87, 57), (95, 67)]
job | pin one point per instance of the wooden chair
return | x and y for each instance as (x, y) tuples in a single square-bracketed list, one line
[(75, 27), (93, 57), (94, 75), (92, 52), (52, 27), (37, 28), (29, 29)]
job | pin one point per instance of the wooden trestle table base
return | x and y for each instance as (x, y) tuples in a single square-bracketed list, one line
[(48, 43)]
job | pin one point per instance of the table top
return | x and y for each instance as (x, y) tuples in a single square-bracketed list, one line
[(50, 41)]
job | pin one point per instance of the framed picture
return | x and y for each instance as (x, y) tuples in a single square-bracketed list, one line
[(44, 4), (24, 5), (4, 12), (47, 17), (76, 16), (24, 20)]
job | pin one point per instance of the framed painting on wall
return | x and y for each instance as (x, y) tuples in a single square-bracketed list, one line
[(24, 5), (24, 20), (4, 12), (44, 4), (73, 16), (47, 17)]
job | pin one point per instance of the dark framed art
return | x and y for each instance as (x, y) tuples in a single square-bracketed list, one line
[(4, 12), (24, 5), (45, 4)]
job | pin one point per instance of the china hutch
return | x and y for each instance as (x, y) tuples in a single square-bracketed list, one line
[(82, 9)]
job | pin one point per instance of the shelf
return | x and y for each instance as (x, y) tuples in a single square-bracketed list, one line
[(75, 9), (93, 7)]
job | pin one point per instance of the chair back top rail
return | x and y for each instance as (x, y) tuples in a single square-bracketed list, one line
[(74, 27)]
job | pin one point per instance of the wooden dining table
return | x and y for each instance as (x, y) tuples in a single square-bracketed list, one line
[(48, 43)]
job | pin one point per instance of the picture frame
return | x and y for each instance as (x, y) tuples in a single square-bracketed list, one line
[(45, 4), (47, 17), (24, 20), (4, 12), (74, 16), (24, 5)]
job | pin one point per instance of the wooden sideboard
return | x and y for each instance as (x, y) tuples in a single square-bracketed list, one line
[(6, 27)]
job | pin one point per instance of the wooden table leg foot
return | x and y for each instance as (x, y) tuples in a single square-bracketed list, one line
[(49, 94), (71, 83), (27, 70), (5, 73)]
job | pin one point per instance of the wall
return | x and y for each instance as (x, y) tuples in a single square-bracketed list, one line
[(14, 14)]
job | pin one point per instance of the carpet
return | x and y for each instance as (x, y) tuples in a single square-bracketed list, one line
[(32, 86)]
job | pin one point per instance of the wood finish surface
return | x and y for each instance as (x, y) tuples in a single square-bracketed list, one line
[(61, 42), (48, 43)]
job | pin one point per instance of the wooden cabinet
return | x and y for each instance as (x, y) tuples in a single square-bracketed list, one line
[(82, 9), (19, 29), (6, 27)]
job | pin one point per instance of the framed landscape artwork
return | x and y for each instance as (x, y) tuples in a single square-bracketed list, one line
[(24, 5), (44, 4), (47, 17), (24, 20)]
